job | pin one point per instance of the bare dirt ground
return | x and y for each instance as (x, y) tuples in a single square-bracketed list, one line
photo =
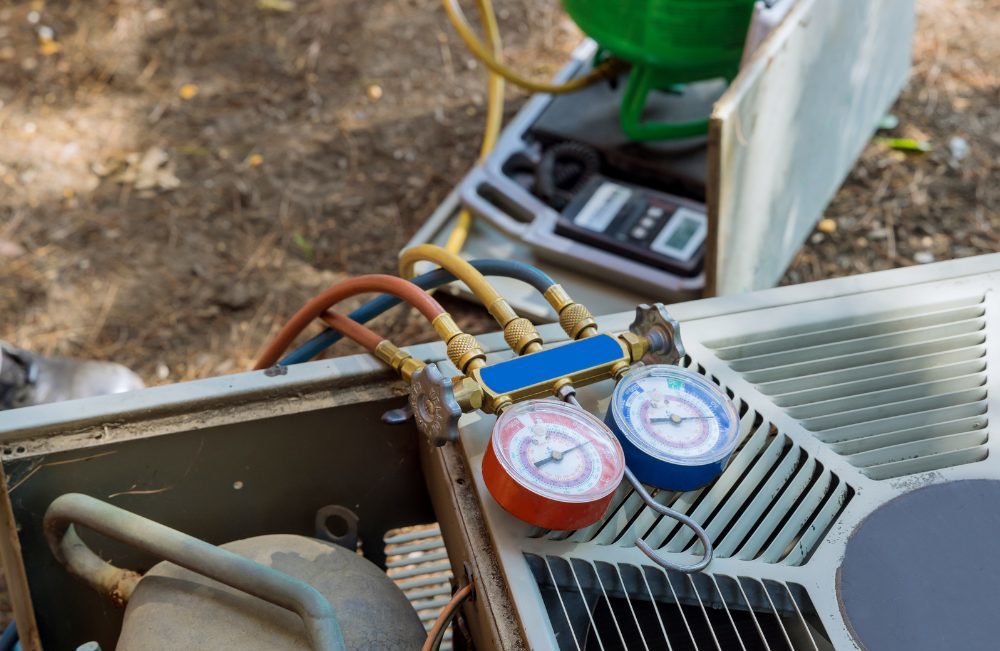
[(177, 178)]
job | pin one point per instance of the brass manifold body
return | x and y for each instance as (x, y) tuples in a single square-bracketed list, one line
[(473, 394)]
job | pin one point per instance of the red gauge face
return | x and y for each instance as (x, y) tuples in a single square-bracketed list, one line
[(555, 457)]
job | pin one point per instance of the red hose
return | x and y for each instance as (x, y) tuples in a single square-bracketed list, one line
[(353, 330), (433, 641), (380, 283)]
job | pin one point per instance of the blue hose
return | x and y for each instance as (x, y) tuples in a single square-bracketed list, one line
[(9, 639), (430, 280)]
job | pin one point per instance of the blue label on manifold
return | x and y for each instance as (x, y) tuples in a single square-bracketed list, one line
[(551, 364)]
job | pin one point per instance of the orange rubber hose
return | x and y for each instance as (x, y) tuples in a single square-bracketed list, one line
[(353, 330), (380, 283), (444, 618)]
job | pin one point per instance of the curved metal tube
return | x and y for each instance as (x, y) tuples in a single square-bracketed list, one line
[(569, 395), (181, 549), (676, 515)]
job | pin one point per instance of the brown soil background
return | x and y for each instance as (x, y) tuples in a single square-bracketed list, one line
[(292, 170)]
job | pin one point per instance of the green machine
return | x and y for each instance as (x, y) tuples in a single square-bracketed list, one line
[(669, 43)]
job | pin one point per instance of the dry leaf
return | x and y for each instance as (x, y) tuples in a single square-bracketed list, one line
[(150, 171)]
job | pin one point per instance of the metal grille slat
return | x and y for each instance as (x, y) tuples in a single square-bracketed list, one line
[(422, 558), (901, 408), (812, 411), (583, 599), (879, 389), (853, 320), (753, 614), (805, 630), (786, 389), (747, 485), (720, 489), (729, 615), (855, 446), (814, 497), (677, 603), (849, 333), (927, 463), (761, 503), (704, 613), (917, 449), (751, 548), (416, 561), (841, 349), (860, 359), (834, 504), (645, 608), (884, 389), (620, 519), (645, 520), (617, 503), (656, 610)]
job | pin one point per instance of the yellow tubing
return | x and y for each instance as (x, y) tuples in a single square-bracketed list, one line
[(480, 51), (494, 118), (519, 333), (462, 270)]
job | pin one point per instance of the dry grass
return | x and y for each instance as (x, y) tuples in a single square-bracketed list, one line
[(290, 171)]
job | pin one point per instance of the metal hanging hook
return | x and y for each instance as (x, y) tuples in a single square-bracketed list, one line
[(568, 393), (675, 515)]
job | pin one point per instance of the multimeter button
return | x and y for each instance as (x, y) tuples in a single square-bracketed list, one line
[(647, 222), (639, 232), (655, 212)]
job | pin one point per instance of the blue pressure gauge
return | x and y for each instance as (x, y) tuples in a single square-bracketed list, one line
[(676, 428)]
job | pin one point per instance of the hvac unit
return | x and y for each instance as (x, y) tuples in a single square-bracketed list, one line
[(858, 512)]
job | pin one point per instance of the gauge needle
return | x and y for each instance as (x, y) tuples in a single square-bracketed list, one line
[(557, 455), (674, 418)]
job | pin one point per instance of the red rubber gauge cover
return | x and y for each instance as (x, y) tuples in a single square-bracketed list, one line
[(553, 465)]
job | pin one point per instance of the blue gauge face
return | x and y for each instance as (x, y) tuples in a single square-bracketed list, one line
[(675, 415)]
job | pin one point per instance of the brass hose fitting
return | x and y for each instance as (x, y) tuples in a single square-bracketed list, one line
[(519, 333), (463, 349), (399, 360), (468, 393), (574, 318)]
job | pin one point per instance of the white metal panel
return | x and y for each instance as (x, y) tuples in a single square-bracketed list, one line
[(787, 132)]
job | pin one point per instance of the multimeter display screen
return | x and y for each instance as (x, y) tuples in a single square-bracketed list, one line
[(683, 233)]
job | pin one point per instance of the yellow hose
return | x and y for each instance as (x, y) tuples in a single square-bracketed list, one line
[(491, 61), (494, 118), (519, 333), (445, 259)]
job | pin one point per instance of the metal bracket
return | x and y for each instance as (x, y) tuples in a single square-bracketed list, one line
[(347, 540), (661, 330), (432, 398)]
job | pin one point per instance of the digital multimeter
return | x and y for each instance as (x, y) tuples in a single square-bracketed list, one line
[(567, 182), (655, 228)]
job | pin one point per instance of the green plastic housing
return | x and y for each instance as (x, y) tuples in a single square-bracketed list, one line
[(668, 42)]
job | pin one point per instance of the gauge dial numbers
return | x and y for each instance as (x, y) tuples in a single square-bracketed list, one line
[(677, 429), (552, 465)]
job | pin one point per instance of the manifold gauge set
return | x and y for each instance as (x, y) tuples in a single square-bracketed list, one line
[(556, 466)]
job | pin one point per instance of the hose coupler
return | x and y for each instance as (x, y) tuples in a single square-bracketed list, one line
[(464, 350), (574, 318)]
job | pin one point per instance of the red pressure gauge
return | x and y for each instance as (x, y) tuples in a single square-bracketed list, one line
[(553, 465)]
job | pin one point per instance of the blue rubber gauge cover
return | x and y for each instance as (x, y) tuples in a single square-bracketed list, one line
[(676, 428)]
